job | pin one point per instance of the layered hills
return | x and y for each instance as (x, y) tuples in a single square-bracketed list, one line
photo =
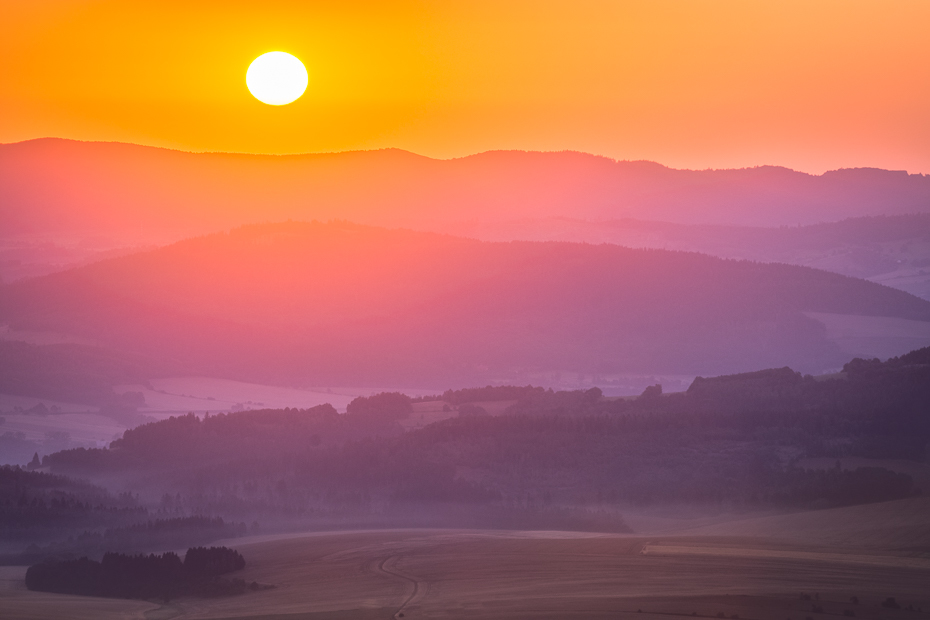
[(62, 186), (66, 203), (345, 304)]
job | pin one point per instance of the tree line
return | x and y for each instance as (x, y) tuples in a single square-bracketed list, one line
[(164, 576), (729, 440)]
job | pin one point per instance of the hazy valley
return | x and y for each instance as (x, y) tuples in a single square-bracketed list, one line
[(469, 310), (679, 369)]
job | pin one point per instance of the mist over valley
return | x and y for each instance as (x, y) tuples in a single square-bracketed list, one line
[(403, 409)]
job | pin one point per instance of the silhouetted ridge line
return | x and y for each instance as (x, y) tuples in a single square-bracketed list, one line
[(54, 185)]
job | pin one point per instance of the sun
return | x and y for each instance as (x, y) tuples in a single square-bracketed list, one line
[(277, 78)]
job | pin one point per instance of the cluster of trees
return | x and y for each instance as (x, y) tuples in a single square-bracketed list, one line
[(878, 409), (760, 390), (163, 576), (142, 536), (183, 440), (838, 487), (39, 506), (470, 409), (567, 460), (53, 515), (385, 407), (577, 403)]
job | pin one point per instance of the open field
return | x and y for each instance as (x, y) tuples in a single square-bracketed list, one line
[(517, 575), (873, 336), (199, 394), (85, 429), (901, 528), (427, 413), (12, 403), (431, 411), (24, 434)]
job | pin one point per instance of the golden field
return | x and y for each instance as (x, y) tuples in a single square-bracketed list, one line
[(757, 572)]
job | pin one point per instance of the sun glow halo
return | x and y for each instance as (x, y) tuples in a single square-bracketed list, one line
[(277, 78)]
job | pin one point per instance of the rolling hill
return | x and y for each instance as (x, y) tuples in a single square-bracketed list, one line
[(331, 304), (890, 250)]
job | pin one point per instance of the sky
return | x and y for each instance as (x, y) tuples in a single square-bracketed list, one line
[(813, 85)]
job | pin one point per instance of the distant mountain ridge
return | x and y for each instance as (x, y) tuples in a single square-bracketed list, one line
[(345, 304), (61, 186)]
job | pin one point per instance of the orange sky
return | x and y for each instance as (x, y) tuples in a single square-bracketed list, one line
[(808, 84)]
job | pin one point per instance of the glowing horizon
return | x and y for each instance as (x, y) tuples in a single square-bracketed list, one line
[(697, 85)]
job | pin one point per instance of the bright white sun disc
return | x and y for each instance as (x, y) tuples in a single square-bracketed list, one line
[(276, 78)]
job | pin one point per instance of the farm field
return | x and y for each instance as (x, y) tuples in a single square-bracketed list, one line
[(432, 411), (888, 528), (522, 575), (200, 394), (872, 336), (85, 429), (174, 395)]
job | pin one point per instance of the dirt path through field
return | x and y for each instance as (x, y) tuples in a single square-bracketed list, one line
[(388, 566), (165, 612)]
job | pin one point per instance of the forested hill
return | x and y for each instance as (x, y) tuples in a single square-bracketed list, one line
[(728, 439), (331, 304)]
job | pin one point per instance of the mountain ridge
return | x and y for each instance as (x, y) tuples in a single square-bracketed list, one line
[(394, 149), (56, 185)]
